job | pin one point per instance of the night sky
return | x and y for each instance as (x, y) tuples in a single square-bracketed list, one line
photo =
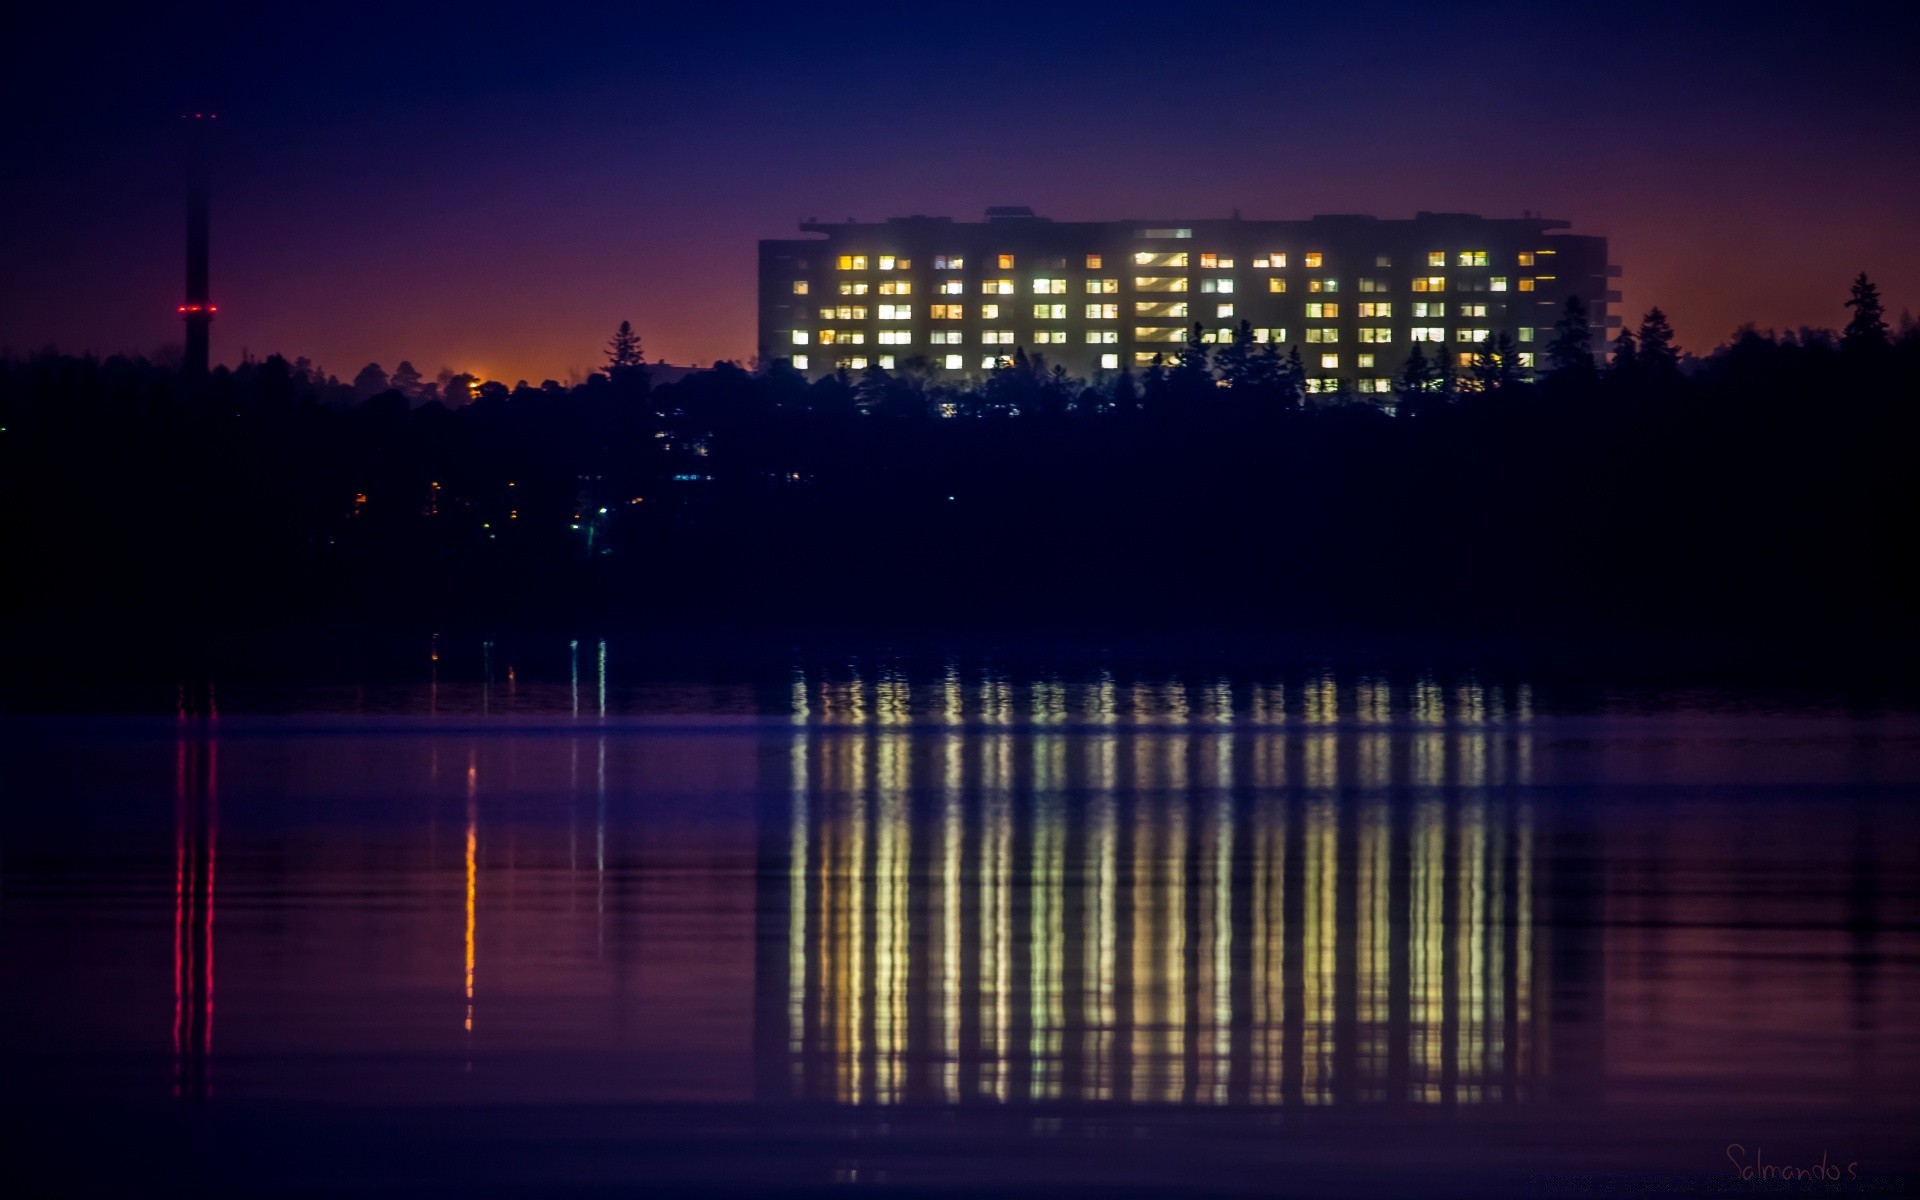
[(493, 191)]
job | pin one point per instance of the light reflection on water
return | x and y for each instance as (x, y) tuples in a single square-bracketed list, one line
[(957, 887)]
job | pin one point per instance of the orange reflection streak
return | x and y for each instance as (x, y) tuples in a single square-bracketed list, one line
[(473, 877)]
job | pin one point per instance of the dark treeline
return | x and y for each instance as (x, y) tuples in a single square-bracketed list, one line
[(1767, 485)]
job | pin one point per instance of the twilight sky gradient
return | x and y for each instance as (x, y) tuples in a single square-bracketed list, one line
[(494, 190)]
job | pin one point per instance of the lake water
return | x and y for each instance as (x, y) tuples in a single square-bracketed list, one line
[(950, 925)]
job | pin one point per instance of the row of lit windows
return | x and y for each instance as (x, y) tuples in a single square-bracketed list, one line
[(1170, 283), (1208, 261), (1376, 335), (1145, 358)]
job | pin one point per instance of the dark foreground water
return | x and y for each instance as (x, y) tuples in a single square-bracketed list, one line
[(948, 926)]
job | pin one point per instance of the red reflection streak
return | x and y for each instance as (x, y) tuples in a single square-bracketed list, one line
[(195, 851), (213, 840)]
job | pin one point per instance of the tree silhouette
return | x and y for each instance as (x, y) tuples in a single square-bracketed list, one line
[(1658, 356), (1626, 356), (1417, 374), (623, 352), (1571, 351), (1866, 330)]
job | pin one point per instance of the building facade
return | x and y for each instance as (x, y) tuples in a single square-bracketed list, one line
[(1353, 293)]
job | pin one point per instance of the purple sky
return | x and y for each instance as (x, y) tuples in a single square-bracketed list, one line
[(496, 194)]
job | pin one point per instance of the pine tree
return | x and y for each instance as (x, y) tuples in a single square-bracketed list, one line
[(1626, 356), (1658, 355), (1571, 351), (623, 352), (1416, 377), (1866, 330)]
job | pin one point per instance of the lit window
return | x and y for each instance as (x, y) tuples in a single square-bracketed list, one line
[(853, 262), (1322, 336), (947, 312), (1498, 283), (1102, 287), (1320, 312), (1049, 287), (1109, 362), (989, 362), (1159, 308), (1279, 260), (1429, 333), (948, 262), (1166, 233), (1382, 260), (1314, 258), (1466, 360), (1145, 358), (1524, 359), (799, 287), (997, 337), (1102, 337), (1330, 362), (1470, 335), (1376, 308), (1472, 258), (996, 287), (1159, 283), (1214, 261), (1264, 336), (1221, 286), (886, 262), (947, 337), (1472, 310), (951, 287), (827, 336), (1380, 386), (1526, 285), (1363, 361), (799, 362), (848, 288), (1323, 285), (896, 312), (989, 312), (1376, 334), (1050, 337), (1276, 284), (1525, 334), (1430, 283), (1050, 312), (897, 287), (886, 362), (1006, 262), (799, 337), (953, 362), (1147, 259), (1526, 259), (1103, 312), (851, 312), (1428, 308), (1093, 262), (1159, 333), (896, 337), (1436, 258), (1223, 310)]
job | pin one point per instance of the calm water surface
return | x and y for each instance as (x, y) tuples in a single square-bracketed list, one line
[(954, 926)]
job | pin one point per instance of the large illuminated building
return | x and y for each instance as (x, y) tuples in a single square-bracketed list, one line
[(1353, 293)]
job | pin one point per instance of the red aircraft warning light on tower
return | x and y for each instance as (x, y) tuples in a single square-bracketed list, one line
[(199, 309)]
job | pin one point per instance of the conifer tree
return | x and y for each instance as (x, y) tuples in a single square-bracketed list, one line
[(1866, 330), (623, 352), (1571, 351), (1658, 356), (1626, 356)]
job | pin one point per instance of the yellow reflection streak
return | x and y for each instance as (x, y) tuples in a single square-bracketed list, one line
[(473, 876)]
